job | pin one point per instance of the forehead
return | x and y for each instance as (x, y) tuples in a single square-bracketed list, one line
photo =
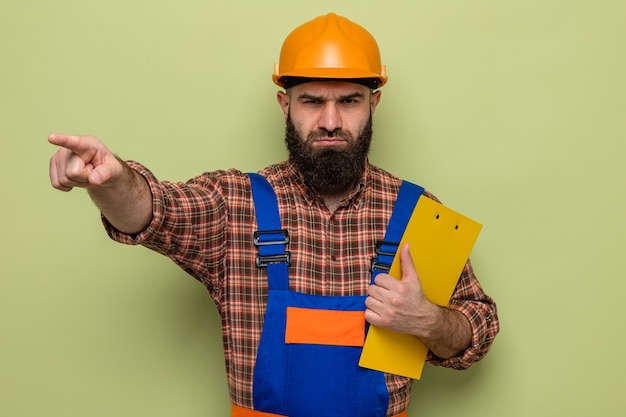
[(329, 89)]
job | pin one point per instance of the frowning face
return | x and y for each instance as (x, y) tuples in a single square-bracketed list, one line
[(328, 130)]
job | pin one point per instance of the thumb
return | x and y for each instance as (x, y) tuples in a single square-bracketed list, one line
[(98, 175), (105, 172), (406, 264)]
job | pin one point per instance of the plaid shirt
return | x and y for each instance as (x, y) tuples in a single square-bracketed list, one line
[(206, 225)]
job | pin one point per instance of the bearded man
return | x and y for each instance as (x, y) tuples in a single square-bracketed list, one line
[(290, 248)]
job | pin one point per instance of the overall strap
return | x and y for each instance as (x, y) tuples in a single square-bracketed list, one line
[(270, 238), (386, 249)]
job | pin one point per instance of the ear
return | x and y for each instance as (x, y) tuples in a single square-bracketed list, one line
[(283, 102), (374, 100)]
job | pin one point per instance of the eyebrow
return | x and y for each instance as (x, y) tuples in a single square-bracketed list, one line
[(307, 96)]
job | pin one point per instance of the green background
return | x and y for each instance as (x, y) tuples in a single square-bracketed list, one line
[(512, 112)]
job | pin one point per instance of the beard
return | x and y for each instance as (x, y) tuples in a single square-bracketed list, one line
[(329, 167)]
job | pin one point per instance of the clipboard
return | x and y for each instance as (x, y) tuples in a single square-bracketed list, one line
[(440, 241)]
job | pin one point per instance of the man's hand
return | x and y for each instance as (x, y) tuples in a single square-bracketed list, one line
[(122, 195), (401, 306), (82, 161)]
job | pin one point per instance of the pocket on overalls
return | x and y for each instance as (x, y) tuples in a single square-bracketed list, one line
[(325, 327)]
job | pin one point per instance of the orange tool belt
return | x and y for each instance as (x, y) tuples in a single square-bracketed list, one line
[(244, 412)]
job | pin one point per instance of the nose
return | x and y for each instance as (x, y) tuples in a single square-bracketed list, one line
[(330, 118)]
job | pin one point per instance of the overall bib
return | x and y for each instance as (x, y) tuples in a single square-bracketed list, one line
[(307, 362)]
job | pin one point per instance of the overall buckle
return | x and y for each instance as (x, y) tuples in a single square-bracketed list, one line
[(376, 264), (264, 238)]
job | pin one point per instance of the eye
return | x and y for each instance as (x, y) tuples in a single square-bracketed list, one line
[(350, 101)]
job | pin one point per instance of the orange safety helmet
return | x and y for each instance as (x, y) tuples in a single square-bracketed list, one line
[(330, 47)]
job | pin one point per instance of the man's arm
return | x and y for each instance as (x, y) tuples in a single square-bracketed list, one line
[(121, 194), (400, 305)]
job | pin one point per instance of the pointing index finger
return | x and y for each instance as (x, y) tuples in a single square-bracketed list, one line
[(83, 146), (70, 142)]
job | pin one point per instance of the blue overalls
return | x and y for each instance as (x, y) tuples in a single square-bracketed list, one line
[(307, 362)]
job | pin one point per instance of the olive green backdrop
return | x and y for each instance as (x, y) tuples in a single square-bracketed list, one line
[(512, 112)]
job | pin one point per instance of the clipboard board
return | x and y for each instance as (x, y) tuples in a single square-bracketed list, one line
[(440, 241)]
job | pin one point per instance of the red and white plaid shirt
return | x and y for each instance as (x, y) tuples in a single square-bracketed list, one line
[(206, 226)]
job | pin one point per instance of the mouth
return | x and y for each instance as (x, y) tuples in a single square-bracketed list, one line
[(329, 142)]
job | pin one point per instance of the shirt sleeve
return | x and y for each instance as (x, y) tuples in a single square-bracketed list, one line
[(188, 225), (481, 311)]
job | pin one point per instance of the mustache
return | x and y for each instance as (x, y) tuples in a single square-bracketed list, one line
[(322, 134)]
